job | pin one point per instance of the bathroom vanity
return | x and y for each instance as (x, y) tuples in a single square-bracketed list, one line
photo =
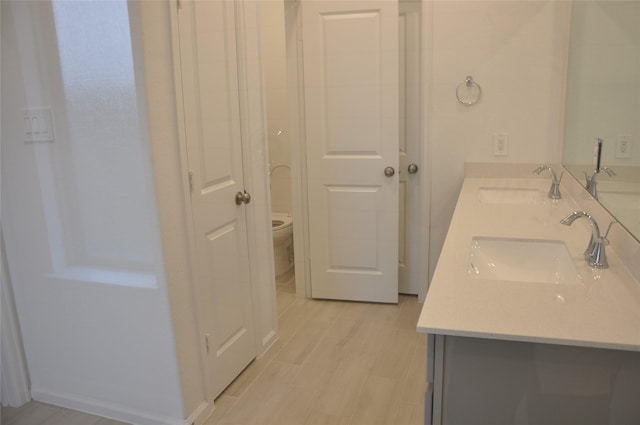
[(520, 329)]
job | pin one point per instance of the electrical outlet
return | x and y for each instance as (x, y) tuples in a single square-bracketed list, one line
[(623, 146), (500, 144)]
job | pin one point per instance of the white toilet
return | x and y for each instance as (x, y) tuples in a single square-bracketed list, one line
[(282, 227)]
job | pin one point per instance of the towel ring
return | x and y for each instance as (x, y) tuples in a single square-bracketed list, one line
[(468, 91)]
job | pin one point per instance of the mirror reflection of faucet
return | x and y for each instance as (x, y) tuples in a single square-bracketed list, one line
[(554, 191), (592, 182)]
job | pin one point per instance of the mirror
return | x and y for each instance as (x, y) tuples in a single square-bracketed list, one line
[(603, 101)]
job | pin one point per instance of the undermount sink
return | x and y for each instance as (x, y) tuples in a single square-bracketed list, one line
[(522, 260), (507, 195)]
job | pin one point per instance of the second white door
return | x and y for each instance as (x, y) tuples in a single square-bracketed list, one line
[(351, 108)]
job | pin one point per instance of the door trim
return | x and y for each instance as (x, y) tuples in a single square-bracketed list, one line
[(255, 177), (15, 379), (299, 205), (424, 218)]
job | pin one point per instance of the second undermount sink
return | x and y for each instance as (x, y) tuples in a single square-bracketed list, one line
[(522, 260), (508, 195)]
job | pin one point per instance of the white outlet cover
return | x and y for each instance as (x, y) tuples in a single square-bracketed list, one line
[(500, 144), (623, 145)]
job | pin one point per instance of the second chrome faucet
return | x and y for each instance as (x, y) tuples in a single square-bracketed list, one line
[(554, 192)]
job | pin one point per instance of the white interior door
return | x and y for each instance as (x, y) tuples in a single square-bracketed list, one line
[(351, 108), (214, 151)]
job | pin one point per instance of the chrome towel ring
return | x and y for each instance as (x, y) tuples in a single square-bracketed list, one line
[(468, 91)]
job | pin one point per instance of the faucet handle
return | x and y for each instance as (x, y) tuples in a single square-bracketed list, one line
[(540, 169), (608, 229), (609, 171), (598, 256)]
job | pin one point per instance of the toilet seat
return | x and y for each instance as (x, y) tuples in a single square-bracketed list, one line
[(280, 221)]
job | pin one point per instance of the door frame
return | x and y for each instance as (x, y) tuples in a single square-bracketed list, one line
[(297, 128), (255, 175)]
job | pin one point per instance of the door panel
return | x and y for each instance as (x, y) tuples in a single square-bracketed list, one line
[(214, 151), (351, 107)]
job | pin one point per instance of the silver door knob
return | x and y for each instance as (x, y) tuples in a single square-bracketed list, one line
[(389, 171), (242, 198), (412, 169)]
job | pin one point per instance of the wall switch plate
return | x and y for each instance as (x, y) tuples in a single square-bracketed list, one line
[(500, 144), (37, 125), (623, 145)]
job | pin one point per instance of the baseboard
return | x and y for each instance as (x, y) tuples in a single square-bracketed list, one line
[(268, 341), (200, 415), (101, 408)]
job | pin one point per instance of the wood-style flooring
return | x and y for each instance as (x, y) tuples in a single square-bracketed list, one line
[(36, 413), (335, 362)]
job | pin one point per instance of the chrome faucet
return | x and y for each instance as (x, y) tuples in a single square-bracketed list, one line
[(595, 253), (592, 183), (554, 192)]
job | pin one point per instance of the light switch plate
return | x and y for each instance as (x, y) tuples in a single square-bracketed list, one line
[(37, 125)]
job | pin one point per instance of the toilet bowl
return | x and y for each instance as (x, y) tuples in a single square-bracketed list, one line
[(282, 227)]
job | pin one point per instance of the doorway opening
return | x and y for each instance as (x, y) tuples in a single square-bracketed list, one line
[(288, 141)]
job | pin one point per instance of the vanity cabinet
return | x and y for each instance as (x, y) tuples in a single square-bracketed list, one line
[(486, 381), (521, 347)]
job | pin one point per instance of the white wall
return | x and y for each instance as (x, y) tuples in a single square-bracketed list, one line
[(516, 51), (172, 194), (90, 344)]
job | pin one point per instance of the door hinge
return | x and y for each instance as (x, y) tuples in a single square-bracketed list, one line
[(179, 4), (190, 181), (206, 342)]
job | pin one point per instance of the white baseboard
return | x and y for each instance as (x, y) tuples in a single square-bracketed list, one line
[(201, 414), (267, 342), (108, 410)]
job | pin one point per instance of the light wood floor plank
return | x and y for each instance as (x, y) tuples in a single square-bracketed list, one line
[(36, 414), (378, 404), (71, 417)]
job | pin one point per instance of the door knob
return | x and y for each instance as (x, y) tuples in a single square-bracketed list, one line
[(413, 168), (243, 197), (389, 171)]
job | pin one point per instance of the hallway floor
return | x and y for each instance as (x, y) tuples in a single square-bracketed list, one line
[(335, 362), (36, 413)]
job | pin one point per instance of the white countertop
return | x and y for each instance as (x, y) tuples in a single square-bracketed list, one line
[(603, 311)]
